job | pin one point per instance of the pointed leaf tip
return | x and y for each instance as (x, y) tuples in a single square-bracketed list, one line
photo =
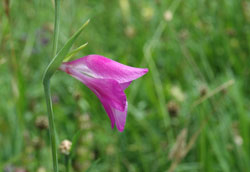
[(74, 52), (58, 59)]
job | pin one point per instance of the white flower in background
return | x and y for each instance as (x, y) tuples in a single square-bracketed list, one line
[(65, 147), (168, 15)]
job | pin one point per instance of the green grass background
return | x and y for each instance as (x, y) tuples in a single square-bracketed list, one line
[(205, 46)]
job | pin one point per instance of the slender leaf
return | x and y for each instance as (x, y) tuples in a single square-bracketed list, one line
[(75, 140), (58, 59), (74, 52)]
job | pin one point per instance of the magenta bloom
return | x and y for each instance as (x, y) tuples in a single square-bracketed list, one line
[(108, 80)]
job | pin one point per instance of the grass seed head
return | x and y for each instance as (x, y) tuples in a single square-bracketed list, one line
[(42, 123), (65, 147)]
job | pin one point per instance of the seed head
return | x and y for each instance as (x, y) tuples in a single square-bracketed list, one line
[(37, 143), (237, 137), (65, 147), (173, 108), (203, 91), (42, 122), (129, 31)]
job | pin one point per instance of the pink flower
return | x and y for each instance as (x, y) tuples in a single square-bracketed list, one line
[(108, 80)]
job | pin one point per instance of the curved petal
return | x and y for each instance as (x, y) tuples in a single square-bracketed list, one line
[(117, 117), (125, 85), (101, 67), (110, 94), (107, 90)]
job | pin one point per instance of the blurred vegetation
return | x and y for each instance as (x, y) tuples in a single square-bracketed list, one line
[(191, 112)]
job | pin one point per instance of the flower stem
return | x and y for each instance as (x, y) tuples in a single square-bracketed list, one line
[(52, 130), (56, 27), (46, 84), (67, 161)]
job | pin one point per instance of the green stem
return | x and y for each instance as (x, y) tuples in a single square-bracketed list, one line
[(56, 27), (67, 163), (56, 61), (46, 84), (52, 130)]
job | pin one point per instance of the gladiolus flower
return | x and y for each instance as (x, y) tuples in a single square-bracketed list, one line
[(107, 79)]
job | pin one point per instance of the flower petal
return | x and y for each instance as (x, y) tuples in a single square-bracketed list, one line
[(116, 116), (110, 113), (101, 67), (108, 90), (125, 85)]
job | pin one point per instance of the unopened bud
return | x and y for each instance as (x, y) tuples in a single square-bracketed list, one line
[(65, 147)]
